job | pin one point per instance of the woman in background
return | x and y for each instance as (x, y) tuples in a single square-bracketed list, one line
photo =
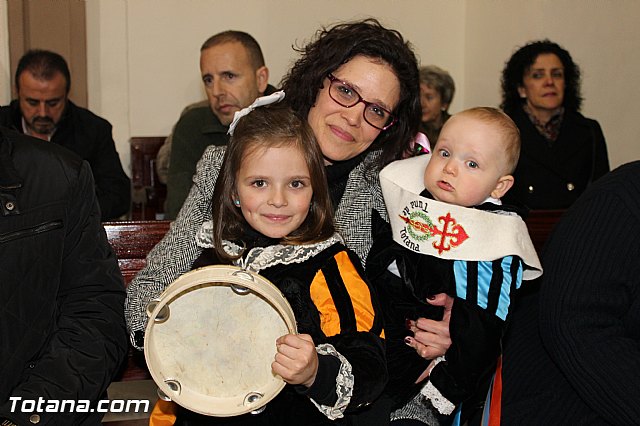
[(562, 151), (436, 93)]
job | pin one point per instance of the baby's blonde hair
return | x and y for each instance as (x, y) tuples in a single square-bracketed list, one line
[(509, 130)]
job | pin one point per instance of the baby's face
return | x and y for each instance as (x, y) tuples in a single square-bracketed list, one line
[(467, 163)]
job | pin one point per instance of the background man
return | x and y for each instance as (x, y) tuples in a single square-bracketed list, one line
[(62, 331), (234, 75), (44, 110)]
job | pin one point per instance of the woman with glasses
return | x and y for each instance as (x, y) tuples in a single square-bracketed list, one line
[(357, 85)]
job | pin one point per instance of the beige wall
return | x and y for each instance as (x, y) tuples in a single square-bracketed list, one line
[(5, 73), (603, 38), (143, 54)]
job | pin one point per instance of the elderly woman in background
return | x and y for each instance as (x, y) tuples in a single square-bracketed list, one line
[(562, 151), (436, 93)]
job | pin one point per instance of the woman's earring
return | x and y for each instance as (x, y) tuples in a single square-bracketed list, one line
[(236, 202)]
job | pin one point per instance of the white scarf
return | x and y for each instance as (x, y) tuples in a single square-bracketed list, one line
[(448, 231)]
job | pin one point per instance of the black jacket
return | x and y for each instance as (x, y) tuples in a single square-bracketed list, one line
[(552, 176), (572, 354), (89, 136), (62, 331)]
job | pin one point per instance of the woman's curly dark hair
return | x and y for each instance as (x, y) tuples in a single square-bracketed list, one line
[(333, 47), (523, 59)]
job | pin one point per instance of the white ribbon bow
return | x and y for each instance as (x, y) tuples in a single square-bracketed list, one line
[(261, 101)]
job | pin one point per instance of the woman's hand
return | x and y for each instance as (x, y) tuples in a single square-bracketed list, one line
[(431, 339), (296, 360)]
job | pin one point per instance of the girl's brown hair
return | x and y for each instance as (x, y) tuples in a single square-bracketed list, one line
[(270, 126)]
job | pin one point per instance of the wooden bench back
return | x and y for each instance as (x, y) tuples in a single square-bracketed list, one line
[(148, 194), (540, 224), (131, 242)]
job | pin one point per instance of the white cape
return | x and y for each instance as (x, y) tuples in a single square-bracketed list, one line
[(448, 231)]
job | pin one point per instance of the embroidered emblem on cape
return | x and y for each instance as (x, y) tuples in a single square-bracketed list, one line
[(419, 227)]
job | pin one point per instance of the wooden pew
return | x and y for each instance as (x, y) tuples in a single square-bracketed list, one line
[(147, 192), (131, 242), (540, 224)]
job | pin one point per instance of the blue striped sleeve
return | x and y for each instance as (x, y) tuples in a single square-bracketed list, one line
[(494, 279)]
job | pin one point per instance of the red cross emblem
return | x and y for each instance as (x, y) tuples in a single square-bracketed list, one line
[(451, 235)]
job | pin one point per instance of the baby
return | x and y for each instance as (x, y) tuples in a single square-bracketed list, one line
[(474, 158), (476, 253)]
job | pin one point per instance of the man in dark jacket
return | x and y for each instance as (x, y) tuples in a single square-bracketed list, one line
[(62, 330), (43, 110)]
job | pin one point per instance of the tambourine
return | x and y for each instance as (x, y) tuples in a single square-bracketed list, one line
[(210, 340)]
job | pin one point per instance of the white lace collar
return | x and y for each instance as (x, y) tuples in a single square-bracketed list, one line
[(259, 258)]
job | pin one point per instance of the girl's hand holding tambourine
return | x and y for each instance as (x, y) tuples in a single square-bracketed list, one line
[(296, 360)]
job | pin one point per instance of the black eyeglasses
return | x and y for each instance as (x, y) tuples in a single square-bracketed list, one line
[(345, 95)]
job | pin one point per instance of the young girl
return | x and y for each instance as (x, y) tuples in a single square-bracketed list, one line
[(273, 215)]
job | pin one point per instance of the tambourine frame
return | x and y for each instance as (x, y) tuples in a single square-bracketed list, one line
[(237, 289)]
